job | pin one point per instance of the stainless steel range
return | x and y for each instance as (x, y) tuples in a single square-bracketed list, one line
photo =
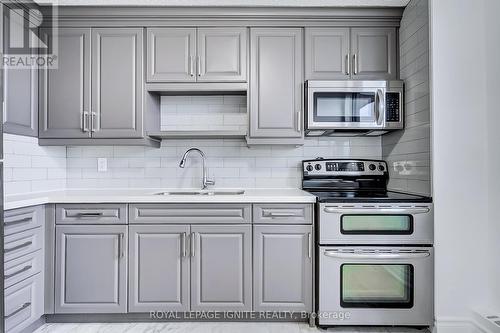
[(375, 254)]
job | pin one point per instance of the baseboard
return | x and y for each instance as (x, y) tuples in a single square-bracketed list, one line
[(33, 327), (458, 325)]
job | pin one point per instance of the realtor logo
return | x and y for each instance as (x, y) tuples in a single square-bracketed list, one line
[(29, 35)]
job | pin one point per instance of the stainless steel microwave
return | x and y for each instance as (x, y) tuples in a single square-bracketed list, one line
[(337, 107)]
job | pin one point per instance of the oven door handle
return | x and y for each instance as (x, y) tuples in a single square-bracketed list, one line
[(376, 256), (412, 211)]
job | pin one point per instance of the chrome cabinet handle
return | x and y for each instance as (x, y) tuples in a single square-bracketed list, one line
[(24, 306), (298, 121), (193, 239), (183, 244), (93, 122), (25, 219), (276, 214), (199, 65), (85, 121), (20, 246), (24, 269), (355, 65), (191, 66), (309, 245), (348, 63), (376, 210), (340, 255), (121, 248), (90, 214)]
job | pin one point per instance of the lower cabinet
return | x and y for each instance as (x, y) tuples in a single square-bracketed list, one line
[(282, 268), (221, 267), (91, 269), (158, 268)]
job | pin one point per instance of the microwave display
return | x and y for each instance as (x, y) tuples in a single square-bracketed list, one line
[(345, 166)]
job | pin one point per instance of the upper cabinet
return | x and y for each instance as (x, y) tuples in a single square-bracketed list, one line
[(276, 83), (197, 55), (20, 87), (351, 53)]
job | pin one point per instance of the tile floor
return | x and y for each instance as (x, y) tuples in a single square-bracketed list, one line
[(209, 328)]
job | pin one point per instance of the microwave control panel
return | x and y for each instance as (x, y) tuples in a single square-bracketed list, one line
[(392, 106)]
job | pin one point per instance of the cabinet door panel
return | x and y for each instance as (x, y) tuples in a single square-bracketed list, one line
[(91, 269), (223, 54), (117, 90), (276, 82), (159, 268), (375, 53), (327, 53), (221, 268), (282, 268), (171, 53), (65, 90)]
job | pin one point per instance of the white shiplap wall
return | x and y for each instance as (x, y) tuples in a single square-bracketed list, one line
[(408, 151), (31, 168)]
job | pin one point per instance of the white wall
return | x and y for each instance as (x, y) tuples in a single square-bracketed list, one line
[(462, 127)]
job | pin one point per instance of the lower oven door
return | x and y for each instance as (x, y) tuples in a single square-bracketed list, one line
[(376, 286), (375, 223)]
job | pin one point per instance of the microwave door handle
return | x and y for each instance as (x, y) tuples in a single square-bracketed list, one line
[(376, 256), (412, 211), (379, 106)]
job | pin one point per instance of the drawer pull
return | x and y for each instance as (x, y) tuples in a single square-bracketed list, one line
[(20, 246), (90, 214), (26, 219), (274, 214), (24, 306), (24, 269)]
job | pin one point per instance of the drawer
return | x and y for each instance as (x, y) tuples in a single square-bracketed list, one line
[(23, 267), (23, 303), (22, 219), (91, 214), (283, 213), (190, 213), (22, 243)]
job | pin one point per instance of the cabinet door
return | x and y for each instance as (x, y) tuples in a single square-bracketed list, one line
[(171, 54), (327, 53), (65, 90), (221, 267), (276, 80), (282, 268), (374, 53), (118, 85), (91, 268), (20, 89), (159, 268), (222, 54)]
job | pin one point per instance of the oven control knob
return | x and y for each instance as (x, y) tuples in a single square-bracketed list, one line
[(309, 168), (317, 167), (381, 167), (372, 167)]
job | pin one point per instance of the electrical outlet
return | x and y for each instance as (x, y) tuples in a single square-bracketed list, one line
[(102, 164)]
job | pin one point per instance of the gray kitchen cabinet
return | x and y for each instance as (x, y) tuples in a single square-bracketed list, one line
[(282, 263), (222, 54), (117, 85), (327, 53), (20, 89), (65, 90), (221, 267), (91, 269), (276, 82), (159, 268), (374, 53), (171, 54)]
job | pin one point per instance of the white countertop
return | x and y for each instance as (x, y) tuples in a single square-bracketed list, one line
[(261, 195)]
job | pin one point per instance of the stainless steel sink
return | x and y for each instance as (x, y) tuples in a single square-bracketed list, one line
[(202, 192)]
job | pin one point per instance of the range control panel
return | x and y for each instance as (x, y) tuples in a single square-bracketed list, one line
[(336, 167)]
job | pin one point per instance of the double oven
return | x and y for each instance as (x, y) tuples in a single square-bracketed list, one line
[(375, 253)]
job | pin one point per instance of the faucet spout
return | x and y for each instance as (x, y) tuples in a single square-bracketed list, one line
[(205, 180)]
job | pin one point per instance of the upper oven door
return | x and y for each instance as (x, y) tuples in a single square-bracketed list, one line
[(345, 108), (375, 224)]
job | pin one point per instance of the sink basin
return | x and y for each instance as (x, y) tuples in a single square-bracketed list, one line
[(202, 192)]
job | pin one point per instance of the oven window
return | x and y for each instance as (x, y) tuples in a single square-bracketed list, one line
[(376, 286), (344, 107), (376, 224)]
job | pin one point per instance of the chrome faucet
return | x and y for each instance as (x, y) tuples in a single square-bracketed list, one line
[(205, 180)]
